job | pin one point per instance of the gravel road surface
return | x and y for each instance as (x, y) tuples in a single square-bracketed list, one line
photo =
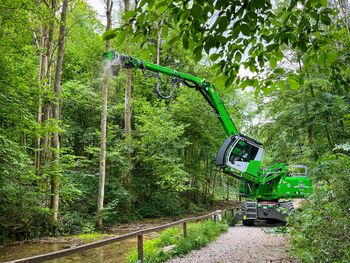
[(241, 244)]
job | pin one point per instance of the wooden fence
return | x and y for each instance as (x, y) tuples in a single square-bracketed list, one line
[(139, 234)]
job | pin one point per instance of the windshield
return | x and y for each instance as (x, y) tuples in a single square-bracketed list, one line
[(243, 152)]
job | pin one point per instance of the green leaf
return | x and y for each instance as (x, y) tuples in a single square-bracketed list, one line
[(294, 84), (219, 81), (121, 36), (109, 34), (259, 3), (273, 62), (198, 53), (185, 41), (325, 18), (196, 10), (173, 40), (271, 47), (223, 23), (214, 57), (229, 81), (165, 31), (279, 71), (245, 29), (238, 56), (162, 9), (235, 32), (129, 14), (209, 43), (145, 54), (332, 57)]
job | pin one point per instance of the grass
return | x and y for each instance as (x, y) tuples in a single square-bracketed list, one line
[(199, 235)]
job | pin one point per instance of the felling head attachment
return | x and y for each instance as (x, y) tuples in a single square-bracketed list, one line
[(115, 59)]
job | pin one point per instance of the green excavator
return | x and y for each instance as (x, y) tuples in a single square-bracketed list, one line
[(267, 191)]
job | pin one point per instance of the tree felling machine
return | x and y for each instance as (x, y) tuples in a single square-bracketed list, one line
[(267, 191)]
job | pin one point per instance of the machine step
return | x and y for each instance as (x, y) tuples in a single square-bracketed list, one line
[(251, 210)]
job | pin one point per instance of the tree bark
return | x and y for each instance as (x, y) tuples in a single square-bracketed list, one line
[(41, 76), (101, 187), (55, 177), (159, 39), (45, 154), (128, 114)]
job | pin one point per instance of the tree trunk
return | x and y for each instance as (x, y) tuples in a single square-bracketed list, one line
[(159, 39), (45, 154), (101, 187), (55, 177), (310, 126), (228, 188), (41, 77), (127, 115)]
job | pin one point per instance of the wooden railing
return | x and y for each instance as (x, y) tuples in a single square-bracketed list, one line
[(139, 234)]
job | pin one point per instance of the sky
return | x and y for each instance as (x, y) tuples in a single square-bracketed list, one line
[(98, 5)]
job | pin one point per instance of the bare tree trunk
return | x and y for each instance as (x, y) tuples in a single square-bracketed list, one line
[(55, 177), (46, 110), (228, 188), (101, 187), (41, 76), (128, 113), (159, 39)]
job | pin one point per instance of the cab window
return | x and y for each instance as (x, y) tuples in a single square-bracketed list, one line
[(243, 152)]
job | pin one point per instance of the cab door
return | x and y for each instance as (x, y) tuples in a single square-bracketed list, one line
[(237, 152)]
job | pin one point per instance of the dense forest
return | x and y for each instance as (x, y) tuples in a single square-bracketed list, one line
[(81, 150)]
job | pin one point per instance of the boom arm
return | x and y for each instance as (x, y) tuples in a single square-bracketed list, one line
[(207, 89), (239, 156)]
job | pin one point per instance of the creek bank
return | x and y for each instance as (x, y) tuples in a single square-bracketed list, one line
[(110, 253)]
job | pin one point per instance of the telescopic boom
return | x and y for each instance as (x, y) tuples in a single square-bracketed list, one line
[(207, 89)]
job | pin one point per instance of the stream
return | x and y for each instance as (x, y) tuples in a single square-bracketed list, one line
[(110, 253), (115, 252)]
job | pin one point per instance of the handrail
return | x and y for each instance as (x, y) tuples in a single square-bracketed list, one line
[(100, 243)]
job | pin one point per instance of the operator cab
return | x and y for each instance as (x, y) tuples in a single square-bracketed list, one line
[(238, 151)]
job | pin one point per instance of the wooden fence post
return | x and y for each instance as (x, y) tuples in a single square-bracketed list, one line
[(185, 229), (140, 248)]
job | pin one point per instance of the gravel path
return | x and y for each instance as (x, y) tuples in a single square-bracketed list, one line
[(241, 244)]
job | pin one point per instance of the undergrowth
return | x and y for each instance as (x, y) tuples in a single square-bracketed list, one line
[(199, 235)]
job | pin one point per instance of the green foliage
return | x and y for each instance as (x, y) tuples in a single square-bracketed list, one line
[(172, 170), (320, 230), (160, 146), (199, 235), (308, 123), (162, 203), (260, 29), (74, 222), (19, 217)]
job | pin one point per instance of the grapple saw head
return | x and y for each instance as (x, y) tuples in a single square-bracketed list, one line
[(115, 59)]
